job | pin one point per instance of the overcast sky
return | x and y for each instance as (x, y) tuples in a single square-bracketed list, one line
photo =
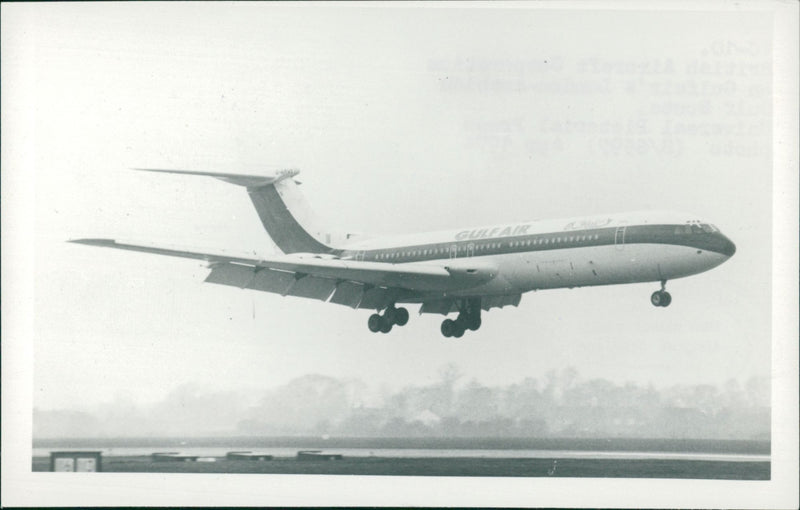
[(401, 120)]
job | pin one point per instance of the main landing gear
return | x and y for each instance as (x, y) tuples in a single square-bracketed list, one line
[(391, 316), (661, 297), (469, 318)]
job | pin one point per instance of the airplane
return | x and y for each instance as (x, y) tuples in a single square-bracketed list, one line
[(463, 271)]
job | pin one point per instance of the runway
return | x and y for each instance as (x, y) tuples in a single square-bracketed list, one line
[(561, 466)]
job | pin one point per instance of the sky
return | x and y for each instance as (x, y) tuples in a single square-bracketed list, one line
[(401, 120)]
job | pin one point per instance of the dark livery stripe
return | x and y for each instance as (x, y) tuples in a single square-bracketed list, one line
[(281, 225), (677, 235)]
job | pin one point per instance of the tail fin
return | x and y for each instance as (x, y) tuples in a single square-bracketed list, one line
[(280, 205)]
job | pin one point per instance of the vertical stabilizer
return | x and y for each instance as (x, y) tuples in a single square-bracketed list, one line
[(281, 207), (288, 219)]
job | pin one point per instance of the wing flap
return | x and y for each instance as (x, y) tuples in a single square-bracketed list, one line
[(268, 280), (490, 302), (377, 298), (442, 306), (450, 305), (348, 294), (312, 287), (352, 294), (235, 275)]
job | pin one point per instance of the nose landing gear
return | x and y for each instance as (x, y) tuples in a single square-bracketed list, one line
[(391, 316), (661, 297)]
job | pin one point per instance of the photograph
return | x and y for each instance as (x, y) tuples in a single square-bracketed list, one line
[(410, 254)]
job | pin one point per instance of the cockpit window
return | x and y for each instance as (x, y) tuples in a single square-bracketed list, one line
[(696, 228)]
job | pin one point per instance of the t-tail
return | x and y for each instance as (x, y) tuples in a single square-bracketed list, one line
[(282, 208)]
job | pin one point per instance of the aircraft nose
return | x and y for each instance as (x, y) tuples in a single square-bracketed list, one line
[(727, 247)]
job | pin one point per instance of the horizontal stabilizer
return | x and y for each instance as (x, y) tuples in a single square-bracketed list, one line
[(174, 251), (249, 180)]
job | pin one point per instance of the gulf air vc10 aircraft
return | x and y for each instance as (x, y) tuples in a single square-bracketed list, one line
[(461, 271)]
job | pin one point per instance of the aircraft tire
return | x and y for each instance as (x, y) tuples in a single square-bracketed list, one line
[(459, 332), (655, 298), (448, 327), (375, 323), (473, 323), (386, 325), (661, 298), (401, 316)]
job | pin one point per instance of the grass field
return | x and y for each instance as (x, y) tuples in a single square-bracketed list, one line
[(565, 468)]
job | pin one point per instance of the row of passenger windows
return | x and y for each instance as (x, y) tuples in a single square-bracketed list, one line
[(444, 250), (565, 239)]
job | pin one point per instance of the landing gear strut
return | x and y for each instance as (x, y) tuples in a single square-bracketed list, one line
[(661, 297), (469, 318), (391, 316)]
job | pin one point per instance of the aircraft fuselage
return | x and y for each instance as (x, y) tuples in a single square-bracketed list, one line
[(615, 249)]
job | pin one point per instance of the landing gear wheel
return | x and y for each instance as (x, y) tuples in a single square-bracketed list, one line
[(655, 298), (401, 316), (661, 298), (473, 323), (448, 327), (459, 331), (375, 322), (386, 325)]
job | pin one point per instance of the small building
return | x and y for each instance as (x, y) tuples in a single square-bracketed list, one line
[(173, 457), (317, 455), (85, 461), (247, 456)]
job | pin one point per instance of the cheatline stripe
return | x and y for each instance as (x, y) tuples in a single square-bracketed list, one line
[(623, 235)]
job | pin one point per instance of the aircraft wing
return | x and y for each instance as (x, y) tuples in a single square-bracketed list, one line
[(358, 284)]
